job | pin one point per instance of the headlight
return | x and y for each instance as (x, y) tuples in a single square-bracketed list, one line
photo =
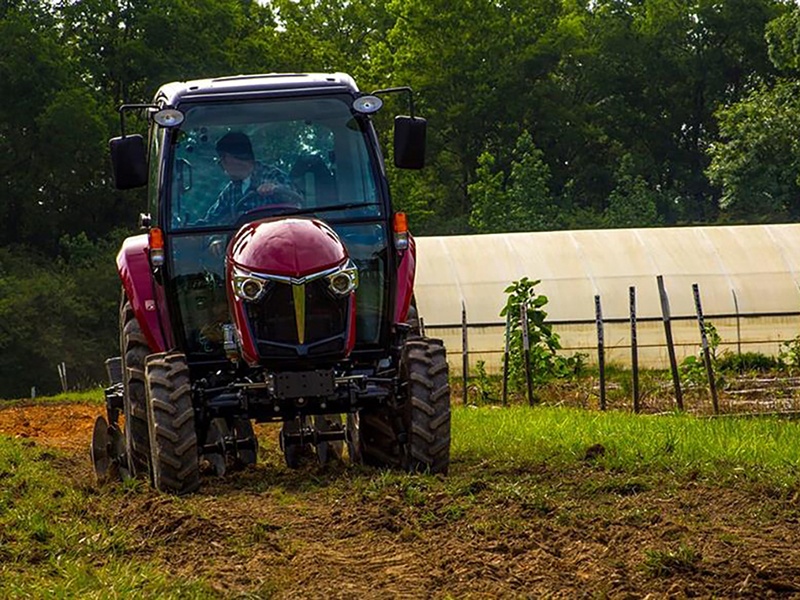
[(247, 287), (344, 281)]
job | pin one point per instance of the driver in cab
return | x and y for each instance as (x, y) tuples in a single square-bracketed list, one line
[(252, 184)]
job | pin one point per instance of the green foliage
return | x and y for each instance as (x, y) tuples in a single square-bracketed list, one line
[(488, 197), (57, 311), (758, 157), (642, 114), (531, 206), (747, 362), (53, 542), (789, 354), (545, 363), (667, 563), (520, 201), (543, 342), (632, 203), (722, 449), (693, 368), (483, 385)]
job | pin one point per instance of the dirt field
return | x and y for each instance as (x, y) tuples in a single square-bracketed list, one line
[(487, 531)]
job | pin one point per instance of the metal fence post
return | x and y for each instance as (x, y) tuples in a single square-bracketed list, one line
[(464, 350), (634, 349), (738, 324), (673, 362), (601, 359), (506, 356), (712, 385), (526, 349)]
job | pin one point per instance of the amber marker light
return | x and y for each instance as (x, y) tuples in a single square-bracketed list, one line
[(400, 231), (156, 243)]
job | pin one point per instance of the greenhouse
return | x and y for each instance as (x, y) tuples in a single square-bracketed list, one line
[(748, 278)]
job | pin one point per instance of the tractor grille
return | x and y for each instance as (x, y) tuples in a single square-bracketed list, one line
[(274, 322)]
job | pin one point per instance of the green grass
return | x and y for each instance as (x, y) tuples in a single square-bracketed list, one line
[(52, 544), (90, 396), (664, 563), (677, 443)]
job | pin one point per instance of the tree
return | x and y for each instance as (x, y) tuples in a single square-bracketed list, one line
[(519, 201), (466, 62), (632, 203), (488, 197), (531, 205), (33, 68), (757, 161)]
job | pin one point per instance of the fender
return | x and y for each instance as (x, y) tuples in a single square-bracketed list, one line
[(133, 267), (406, 271)]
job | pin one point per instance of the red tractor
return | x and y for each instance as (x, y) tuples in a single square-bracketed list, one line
[(273, 283)]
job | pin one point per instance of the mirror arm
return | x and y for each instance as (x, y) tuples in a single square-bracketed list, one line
[(395, 90), (126, 107)]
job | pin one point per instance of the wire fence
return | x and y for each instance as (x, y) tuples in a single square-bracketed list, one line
[(651, 343)]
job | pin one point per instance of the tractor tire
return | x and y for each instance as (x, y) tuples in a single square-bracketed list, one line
[(170, 415), (416, 435), (134, 350), (374, 441), (426, 406)]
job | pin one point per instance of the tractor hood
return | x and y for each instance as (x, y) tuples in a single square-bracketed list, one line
[(292, 247), (291, 291)]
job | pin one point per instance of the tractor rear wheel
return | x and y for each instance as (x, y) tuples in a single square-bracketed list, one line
[(173, 438), (134, 350), (426, 406)]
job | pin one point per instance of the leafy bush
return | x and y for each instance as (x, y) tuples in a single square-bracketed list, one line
[(545, 363), (789, 355), (482, 384), (693, 368), (734, 362)]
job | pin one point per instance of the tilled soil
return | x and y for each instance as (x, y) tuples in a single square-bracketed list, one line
[(487, 531)]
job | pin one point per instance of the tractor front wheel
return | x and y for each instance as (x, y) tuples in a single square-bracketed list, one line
[(426, 406), (170, 415), (414, 435)]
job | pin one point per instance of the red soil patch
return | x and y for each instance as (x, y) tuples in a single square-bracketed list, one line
[(64, 426)]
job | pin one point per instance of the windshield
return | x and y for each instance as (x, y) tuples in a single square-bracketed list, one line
[(244, 160)]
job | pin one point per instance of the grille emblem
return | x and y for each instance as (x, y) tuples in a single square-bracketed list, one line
[(299, 297)]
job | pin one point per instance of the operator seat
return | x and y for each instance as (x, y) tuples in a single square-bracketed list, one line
[(311, 177)]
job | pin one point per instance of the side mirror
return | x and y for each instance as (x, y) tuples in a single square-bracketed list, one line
[(409, 142), (129, 161)]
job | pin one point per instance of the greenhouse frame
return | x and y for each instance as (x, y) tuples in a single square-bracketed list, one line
[(748, 278)]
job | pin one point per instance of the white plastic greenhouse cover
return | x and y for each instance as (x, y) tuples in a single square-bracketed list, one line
[(750, 271)]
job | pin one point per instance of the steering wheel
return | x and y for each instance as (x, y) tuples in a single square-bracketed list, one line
[(280, 200)]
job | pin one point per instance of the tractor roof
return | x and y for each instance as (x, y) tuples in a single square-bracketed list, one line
[(174, 93)]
